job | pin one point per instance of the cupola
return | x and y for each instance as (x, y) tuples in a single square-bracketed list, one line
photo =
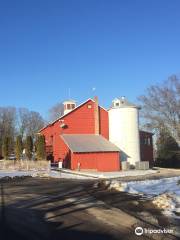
[(69, 105)]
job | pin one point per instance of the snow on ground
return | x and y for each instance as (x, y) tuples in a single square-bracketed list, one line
[(59, 174), (111, 174), (66, 173), (53, 174), (165, 193), (15, 173)]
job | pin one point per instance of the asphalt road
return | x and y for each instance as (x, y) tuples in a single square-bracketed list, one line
[(41, 209)]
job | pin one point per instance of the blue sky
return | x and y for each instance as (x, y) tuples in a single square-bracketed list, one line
[(120, 47)]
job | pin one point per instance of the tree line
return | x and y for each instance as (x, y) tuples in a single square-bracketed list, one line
[(25, 149), (18, 133), (161, 114)]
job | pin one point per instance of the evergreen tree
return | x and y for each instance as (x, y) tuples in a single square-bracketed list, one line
[(29, 147), (18, 147), (167, 150), (40, 148), (6, 147)]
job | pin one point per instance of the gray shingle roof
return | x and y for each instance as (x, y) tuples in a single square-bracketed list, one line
[(88, 143)]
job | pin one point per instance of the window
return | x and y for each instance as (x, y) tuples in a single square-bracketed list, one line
[(68, 106), (89, 106), (73, 106), (149, 141), (117, 104)]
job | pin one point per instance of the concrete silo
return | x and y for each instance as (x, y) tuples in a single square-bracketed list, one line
[(124, 129)]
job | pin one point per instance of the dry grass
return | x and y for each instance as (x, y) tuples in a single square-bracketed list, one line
[(25, 165)]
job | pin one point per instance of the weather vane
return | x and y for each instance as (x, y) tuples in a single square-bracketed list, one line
[(69, 93)]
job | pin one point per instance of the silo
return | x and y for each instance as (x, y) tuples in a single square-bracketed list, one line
[(124, 129)]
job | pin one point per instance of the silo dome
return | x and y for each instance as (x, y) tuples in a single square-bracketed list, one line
[(124, 129)]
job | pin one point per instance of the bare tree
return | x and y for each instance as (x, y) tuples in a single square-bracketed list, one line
[(34, 124), (7, 122), (161, 107), (56, 111), (29, 122), (7, 125), (23, 121), (14, 122)]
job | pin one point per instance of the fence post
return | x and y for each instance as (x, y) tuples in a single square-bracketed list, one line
[(49, 167)]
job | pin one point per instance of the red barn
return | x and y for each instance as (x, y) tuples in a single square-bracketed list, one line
[(80, 138), (146, 147)]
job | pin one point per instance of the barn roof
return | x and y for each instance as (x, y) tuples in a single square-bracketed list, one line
[(88, 143)]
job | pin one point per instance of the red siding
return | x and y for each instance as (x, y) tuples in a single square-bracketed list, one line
[(104, 123), (146, 147), (79, 121), (102, 161), (86, 160)]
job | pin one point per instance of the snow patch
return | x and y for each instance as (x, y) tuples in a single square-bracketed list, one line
[(14, 173), (59, 174), (165, 193), (36, 173)]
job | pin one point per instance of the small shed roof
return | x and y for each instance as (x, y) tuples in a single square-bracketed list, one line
[(88, 143)]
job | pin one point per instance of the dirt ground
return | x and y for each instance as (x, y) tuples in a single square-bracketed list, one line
[(161, 173), (36, 208), (140, 207)]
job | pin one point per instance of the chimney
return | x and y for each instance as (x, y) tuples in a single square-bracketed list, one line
[(96, 116)]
